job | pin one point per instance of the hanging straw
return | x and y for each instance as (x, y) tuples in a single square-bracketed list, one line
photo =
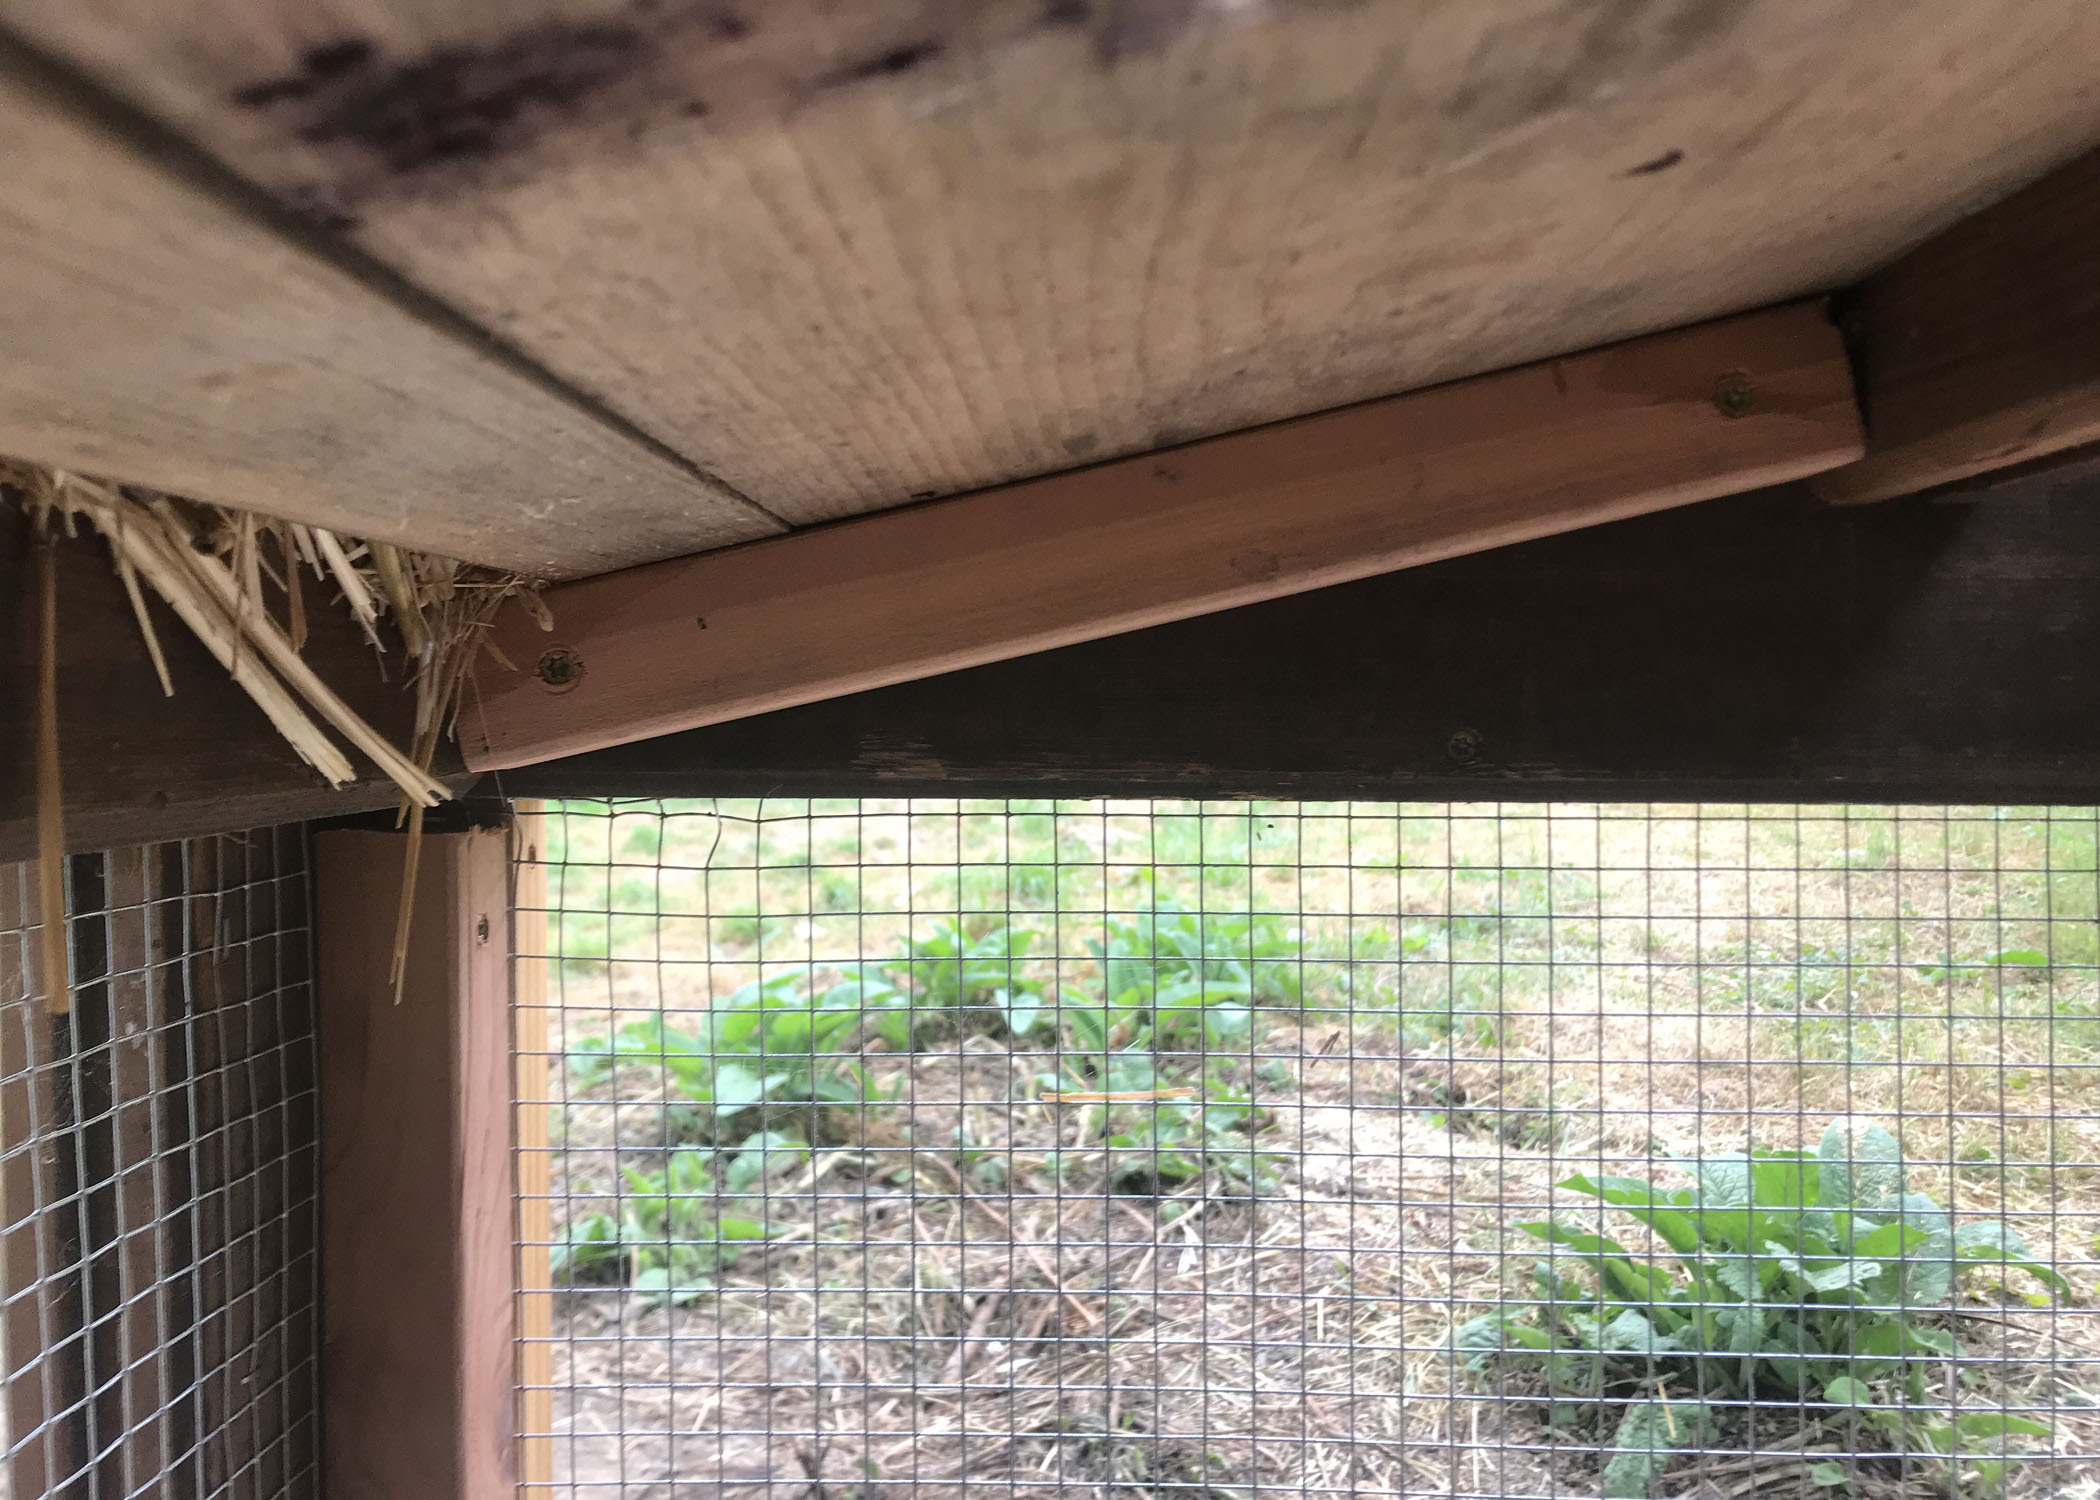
[(208, 564)]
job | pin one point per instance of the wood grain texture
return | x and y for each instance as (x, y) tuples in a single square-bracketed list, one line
[(161, 334), (418, 1362), (847, 256), (1763, 648), (531, 948), (1475, 464), (142, 947), (137, 765), (45, 1373), (1981, 348)]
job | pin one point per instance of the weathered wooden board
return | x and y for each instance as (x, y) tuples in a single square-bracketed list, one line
[(1657, 422), (160, 332), (1765, 647), (138, 766), (416, 1117), (843, 256), (1981, 348)]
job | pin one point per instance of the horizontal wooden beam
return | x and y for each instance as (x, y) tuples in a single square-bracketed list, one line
[(1764, 647), (1981, 348), (1659, 422), (164, 329), (138, 766)]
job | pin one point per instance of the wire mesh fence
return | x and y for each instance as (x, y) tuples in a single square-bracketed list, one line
[(157, 1177), (1232, 1149)]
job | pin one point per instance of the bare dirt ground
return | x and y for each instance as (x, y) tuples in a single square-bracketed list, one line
[(910, 1339), (954, 1301)]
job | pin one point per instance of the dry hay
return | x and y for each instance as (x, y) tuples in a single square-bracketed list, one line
[(218, 570), (910, 1336)]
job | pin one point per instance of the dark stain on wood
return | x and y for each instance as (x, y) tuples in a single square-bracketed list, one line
[(453, 102), (1662, 163), (888, 63)]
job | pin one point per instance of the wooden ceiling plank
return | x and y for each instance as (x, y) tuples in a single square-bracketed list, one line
[(1658, 422), (846, 256), (160, 333), (1980, 349)]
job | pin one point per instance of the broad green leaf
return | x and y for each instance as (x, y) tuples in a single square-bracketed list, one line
[(1787, 1351), (1631, 1333), (1770, 1182), (660, 1285), (1746, 1328), (1828, 1475), (1608, 1258), (1649, 1434), (2025, 958), (1891, 1240), (1999, 1424), (1844, 1276), (1724, 1181), (1845, 1391), (1499, 1332), (1991, 1241), (1640, 1199), (1862, 1166), (1928, 1272), (737, 1086), (1736, 1274)]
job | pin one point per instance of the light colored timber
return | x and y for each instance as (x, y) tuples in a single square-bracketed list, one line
[(1639, 427), (846, 256), (418, 1362), (158, 333), (531, 951)]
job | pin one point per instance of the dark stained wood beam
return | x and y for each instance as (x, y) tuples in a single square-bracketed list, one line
[(1981, 348), (1656, 422), (138, 766), (1765, 647)]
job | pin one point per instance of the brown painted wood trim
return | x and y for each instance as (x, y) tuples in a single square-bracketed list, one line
[(1981, 348), (1766, 647), (1642, 426), (418, 1307)]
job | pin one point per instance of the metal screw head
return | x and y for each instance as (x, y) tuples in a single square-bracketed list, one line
[(1734, 395), (1464, 745), (560, 668)]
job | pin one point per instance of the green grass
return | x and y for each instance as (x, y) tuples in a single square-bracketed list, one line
[(1838, 939)]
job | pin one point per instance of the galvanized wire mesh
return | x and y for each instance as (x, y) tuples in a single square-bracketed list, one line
[(1234, 1149), (157, 1177)]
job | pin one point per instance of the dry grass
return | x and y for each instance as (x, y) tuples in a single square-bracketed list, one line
[(1571, 1007)]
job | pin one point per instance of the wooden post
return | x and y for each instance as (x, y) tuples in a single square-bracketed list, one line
[(418, 1311), (535, 1219), (43, 1373)]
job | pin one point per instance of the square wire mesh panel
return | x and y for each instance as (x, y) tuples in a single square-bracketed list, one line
[(1237, 1149), (158, 1173)]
